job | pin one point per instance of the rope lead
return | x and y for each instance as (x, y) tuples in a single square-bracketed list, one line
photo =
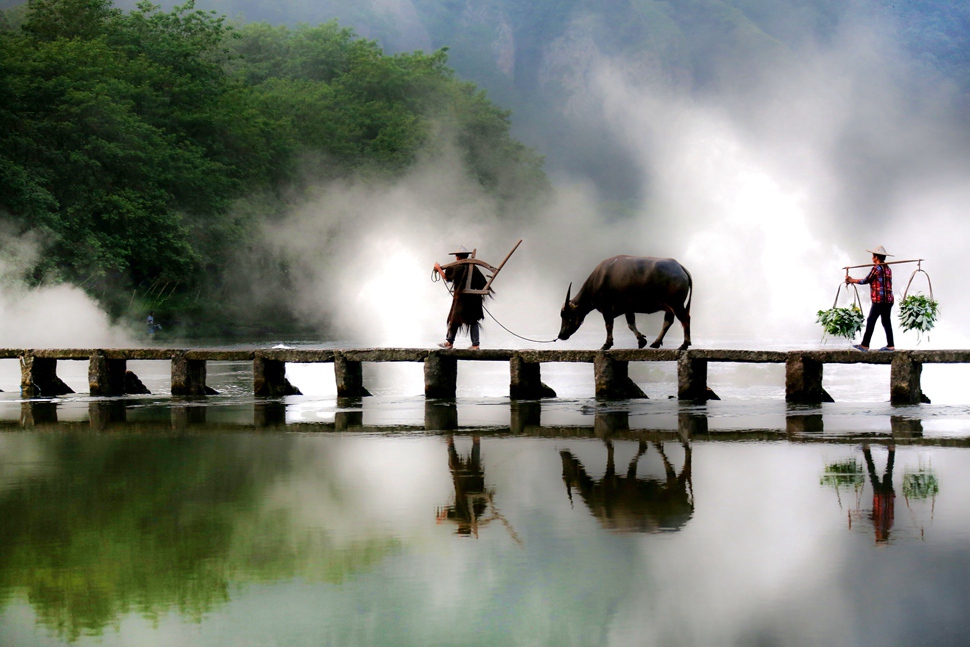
[(535, 341), (435, 278)]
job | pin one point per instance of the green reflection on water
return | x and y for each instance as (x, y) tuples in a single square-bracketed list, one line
[(847, 474), (111, 526), (920, 484)]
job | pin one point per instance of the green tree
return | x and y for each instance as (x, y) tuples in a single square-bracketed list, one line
[(146, 147)]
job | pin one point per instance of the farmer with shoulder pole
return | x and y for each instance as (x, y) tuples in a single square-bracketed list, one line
[(880, 281)]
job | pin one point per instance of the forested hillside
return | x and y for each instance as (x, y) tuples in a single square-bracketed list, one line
[(143, 150), (539, 57)]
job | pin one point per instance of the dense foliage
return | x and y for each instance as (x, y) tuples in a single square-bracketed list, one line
[(142, 148), (540, 57)]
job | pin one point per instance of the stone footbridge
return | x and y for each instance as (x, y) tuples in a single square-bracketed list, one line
[(108, 374)]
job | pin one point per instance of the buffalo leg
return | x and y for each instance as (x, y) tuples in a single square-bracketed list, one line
[(668, 321), (609, 332), (684, 315), (668, 468), (631, 471), (631, 321)]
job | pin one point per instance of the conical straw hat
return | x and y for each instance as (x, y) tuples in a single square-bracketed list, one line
[(881, 251)]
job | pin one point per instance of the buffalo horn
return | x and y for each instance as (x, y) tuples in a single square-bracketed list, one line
[(568, 292)]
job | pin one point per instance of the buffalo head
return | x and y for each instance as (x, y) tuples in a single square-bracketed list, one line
[(572, 318)]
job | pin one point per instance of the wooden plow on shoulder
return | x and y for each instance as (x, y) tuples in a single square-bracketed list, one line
[(471, 260)]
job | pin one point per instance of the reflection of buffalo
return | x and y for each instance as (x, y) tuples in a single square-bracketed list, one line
[(629, 504)]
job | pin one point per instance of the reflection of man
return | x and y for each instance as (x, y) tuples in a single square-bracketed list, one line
[(471, 500), (883, 495)]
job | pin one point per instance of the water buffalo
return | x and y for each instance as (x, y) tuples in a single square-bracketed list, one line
[(627, 285)]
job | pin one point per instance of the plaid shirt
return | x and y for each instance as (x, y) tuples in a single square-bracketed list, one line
[(880, 282)]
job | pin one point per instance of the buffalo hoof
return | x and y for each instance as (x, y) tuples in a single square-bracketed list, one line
[(608, 345), (656, 344), (641, 342), (684, 346)]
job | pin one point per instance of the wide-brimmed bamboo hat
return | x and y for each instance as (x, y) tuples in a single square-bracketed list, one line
[(880, 251), (462, 251)]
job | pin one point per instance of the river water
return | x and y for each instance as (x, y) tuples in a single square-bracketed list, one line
[(394, 521)]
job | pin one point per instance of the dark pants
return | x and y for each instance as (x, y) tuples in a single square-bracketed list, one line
[(472, 330), (876, 311)]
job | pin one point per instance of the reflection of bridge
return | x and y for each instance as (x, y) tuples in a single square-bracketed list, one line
[(108, 375), (801, 424)]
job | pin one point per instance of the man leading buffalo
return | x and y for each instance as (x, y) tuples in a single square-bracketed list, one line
[(466, 309)]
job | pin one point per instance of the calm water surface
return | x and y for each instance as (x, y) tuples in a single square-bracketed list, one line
[(392, 521)]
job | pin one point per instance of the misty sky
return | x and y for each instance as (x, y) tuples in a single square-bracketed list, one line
[(764, 147), (763, 144)]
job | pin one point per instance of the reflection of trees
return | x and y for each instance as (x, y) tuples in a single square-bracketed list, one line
[(472, 499), (150, 525), (631, 504)]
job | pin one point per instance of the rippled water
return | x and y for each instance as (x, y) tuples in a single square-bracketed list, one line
[(395, 521)]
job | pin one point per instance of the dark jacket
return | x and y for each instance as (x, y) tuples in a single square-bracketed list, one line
[(465, 308)]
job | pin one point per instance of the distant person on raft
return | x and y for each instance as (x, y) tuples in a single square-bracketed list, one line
[(880, 281), (466, 309)]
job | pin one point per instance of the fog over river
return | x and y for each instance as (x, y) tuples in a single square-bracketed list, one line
[(765, 149)]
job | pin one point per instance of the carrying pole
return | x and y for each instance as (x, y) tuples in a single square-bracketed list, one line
[(914, 260)]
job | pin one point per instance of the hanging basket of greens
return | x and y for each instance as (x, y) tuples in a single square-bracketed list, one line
[(842, 322), (917, 311)]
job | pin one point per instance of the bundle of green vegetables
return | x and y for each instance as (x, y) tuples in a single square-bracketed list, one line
[(918, 312), (841, 322)]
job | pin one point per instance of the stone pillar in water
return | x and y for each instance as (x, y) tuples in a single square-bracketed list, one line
[(269, 378), (188, 376), (349, 376), (691, 378), (904, 380), (803, 380), (38, 378), (106, 377), (613, 380), (440, 376), (526, 383)]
